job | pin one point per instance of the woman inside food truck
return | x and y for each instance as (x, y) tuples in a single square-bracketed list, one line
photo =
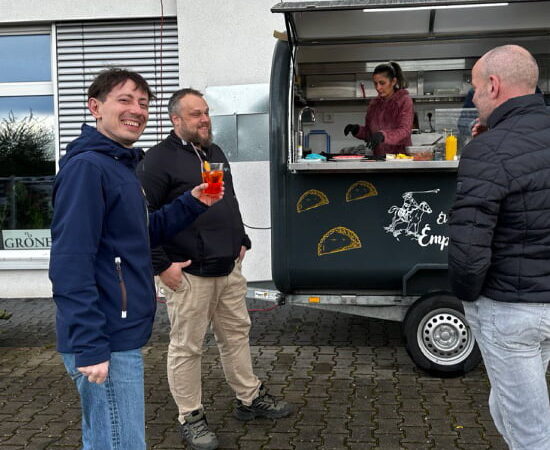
[(389, 118)]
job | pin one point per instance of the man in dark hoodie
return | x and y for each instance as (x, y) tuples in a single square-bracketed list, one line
[(100, 263), (200, 273), (499, 251)]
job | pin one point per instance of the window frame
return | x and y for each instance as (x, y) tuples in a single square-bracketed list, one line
[(32, 259)]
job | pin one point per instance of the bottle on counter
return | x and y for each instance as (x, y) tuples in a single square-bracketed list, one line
[(451, 144), (439, 151), (299, 146)]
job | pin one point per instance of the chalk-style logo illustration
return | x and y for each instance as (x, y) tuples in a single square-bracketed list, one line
[(311, 199), (407, 218), (338, 239), (359, 190)]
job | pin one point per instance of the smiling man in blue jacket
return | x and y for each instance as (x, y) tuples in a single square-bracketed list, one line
[(100, 264)]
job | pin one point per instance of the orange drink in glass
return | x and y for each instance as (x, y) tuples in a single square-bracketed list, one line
[(214, 177)]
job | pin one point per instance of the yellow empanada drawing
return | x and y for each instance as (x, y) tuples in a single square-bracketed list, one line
[(360, 189), (338, 239), (311, 199)]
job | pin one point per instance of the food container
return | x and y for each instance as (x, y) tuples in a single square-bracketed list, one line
[(421, 152)]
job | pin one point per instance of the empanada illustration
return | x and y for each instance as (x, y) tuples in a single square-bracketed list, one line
[(360, 189), (338, 239), (311, 199)]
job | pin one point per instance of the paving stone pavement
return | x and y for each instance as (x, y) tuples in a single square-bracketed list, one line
[(350, 379)]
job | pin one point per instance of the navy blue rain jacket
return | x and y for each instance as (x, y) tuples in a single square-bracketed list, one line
[(100, 263)]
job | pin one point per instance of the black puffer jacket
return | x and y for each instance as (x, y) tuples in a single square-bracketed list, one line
[(500, 222), (214, 241)]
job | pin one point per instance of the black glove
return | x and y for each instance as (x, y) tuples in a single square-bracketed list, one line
[(375, 140), (351, 128)]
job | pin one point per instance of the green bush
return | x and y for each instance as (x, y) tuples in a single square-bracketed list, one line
[(26, 154), (26, 147)]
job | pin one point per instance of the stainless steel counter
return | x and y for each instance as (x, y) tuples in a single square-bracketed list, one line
[(374, 166)]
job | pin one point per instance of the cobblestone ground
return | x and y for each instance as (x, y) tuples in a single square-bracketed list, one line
[(350, 379)]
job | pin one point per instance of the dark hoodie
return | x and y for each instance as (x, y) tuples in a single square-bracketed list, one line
[(100, 263), (214, 240)]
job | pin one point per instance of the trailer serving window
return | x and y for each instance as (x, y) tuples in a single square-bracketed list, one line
[(334, 47)]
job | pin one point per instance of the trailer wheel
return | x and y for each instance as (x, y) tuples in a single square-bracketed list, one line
[(437, 337)]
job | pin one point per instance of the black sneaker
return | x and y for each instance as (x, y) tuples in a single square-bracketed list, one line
[(264, 405), (196, 433)]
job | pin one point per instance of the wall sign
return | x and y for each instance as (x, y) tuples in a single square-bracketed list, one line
[(26, 239)]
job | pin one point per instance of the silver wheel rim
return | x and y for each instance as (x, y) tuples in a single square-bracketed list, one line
[(444, 337)]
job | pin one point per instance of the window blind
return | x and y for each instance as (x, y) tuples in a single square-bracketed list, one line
[(85, 48)]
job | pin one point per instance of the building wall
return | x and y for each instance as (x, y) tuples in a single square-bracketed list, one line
[(231, 43), (220, 44), (28, 11), (25, 284)]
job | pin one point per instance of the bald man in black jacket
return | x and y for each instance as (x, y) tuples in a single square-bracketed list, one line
[(499, 251)]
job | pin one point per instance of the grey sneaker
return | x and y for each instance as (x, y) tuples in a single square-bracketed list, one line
[(196, 433), (264, 405)]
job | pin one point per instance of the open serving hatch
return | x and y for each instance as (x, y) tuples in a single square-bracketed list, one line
[(353, 21)]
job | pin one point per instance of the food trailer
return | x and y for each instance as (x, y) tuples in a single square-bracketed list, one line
[(364, 236)]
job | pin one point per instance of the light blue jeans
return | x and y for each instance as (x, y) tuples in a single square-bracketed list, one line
[(514, 339), (113, 415)]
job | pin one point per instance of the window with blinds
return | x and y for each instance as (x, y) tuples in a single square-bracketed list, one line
[(85, 48)]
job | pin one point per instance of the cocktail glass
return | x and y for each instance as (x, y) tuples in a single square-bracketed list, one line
[(213, 177)]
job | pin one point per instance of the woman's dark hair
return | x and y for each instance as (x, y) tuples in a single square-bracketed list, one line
[(107, 79), (392, 70)]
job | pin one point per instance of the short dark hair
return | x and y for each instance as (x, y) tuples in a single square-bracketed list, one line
[(173, 103), (107, 79)]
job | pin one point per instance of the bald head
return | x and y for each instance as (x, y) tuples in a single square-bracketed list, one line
[(500, 75), (515, 66)]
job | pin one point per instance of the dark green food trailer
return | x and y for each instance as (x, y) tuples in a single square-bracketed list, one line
[(365, 236)]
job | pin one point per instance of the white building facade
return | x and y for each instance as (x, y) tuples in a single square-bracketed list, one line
[(50, 53)]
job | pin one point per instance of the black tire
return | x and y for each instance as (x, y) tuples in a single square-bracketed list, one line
[(437, 337)]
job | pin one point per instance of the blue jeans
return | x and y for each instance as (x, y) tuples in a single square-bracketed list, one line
[(113, 414), (514, 339)]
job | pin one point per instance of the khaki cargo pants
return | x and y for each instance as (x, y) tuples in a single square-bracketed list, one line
[(198, 302)]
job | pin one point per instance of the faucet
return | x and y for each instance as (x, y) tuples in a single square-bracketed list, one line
[(300, 143)]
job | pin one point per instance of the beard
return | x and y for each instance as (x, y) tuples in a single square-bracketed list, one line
[(194, 137)]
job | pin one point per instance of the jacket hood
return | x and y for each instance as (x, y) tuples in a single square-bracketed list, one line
[(91, 140)]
